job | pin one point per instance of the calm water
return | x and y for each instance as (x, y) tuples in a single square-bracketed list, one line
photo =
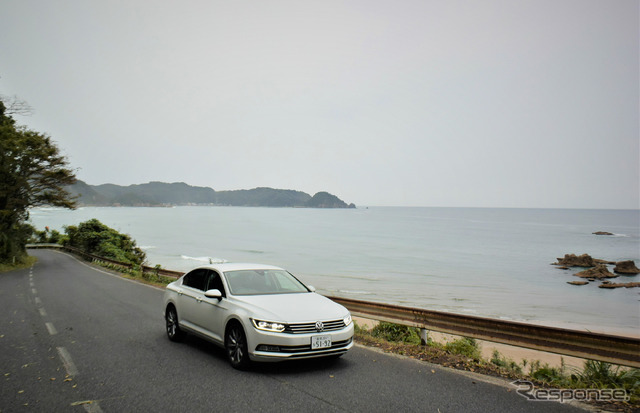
[(480, 261)]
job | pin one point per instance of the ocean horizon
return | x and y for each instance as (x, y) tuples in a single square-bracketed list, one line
[(489, 262)]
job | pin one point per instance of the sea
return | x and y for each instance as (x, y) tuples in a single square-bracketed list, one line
[(489, 262)]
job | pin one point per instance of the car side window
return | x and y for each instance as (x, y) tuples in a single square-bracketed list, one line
[(215, 282), (196, 279)]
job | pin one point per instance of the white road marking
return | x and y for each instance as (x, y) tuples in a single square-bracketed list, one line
[(92, 407), (38, 302), (51, 328), (34, 291), (71, 368), (42, 312)]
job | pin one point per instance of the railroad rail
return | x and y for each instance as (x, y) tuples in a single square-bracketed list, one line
[(614, 349)]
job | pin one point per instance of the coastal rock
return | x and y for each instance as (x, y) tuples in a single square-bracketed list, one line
[(602, 233), (572, 260), (578, 282), (600, 271), (626, 267), (620, 285)]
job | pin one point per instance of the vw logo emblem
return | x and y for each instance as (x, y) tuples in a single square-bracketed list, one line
[(319, 326)]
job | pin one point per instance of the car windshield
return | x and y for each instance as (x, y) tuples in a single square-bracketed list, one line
[(257, 282)]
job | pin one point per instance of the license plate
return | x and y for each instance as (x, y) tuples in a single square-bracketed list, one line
[(320, 342)]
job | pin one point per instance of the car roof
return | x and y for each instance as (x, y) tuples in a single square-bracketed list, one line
[(235, 266)]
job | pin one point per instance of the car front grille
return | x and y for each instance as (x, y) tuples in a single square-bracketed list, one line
[(305, 328)]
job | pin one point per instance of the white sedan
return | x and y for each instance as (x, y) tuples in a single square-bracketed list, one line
[(256, 312)]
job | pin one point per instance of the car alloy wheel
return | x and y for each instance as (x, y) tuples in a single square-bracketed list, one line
[(173, 328), (236, 346)]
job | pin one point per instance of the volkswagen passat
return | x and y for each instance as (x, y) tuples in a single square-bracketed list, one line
[(256, 312)]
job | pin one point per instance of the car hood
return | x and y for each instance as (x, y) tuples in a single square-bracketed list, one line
[(294, 308)]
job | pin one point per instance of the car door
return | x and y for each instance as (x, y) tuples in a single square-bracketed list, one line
[(191, 295), (212, 311)]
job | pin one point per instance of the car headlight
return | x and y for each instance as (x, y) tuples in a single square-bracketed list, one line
[(268, 326), (347, 320)]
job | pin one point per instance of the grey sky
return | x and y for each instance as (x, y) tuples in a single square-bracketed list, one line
[(528, 103)]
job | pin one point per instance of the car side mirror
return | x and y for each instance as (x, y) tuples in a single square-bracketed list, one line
[(213, 294), (311, 288)]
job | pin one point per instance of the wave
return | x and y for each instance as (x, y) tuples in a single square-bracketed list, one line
[(209, 260), (147, 247), (355, 292)]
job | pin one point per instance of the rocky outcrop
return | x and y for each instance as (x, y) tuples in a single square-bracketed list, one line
[(620, 285), (626, 267), (599, 261), (572, 260), (602, 233), (600, 271)]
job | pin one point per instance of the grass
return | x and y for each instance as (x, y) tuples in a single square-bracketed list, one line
[(396, 333), (505, 363), (25, 262), (464, 346), (137, 274)]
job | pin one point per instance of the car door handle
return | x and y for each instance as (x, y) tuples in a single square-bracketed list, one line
[(199, 299), (180, 292)]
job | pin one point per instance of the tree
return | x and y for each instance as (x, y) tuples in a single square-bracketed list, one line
[(32, 173), (13, 105), (94, 237)]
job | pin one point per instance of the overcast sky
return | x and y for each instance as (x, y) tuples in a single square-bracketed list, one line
[(488, 103)]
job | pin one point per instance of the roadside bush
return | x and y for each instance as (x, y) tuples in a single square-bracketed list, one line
[(93, 237), (599, 374), (549, 375), (47, 237), (396, 333), (508, 364), (464, 346), (12, 244)]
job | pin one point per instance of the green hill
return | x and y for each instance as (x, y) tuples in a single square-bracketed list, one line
[(180, 193)]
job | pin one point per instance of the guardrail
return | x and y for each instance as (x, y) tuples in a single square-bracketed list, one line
[(602, 347)]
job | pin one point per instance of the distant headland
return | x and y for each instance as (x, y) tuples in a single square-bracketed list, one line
[(180, 193)]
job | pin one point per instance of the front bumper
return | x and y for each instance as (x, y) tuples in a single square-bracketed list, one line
[(266, 346)]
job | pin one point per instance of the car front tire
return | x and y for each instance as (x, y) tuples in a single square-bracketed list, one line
[(173, 327), (235, 343)]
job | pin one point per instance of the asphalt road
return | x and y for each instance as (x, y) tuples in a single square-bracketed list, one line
[(74, 338)]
